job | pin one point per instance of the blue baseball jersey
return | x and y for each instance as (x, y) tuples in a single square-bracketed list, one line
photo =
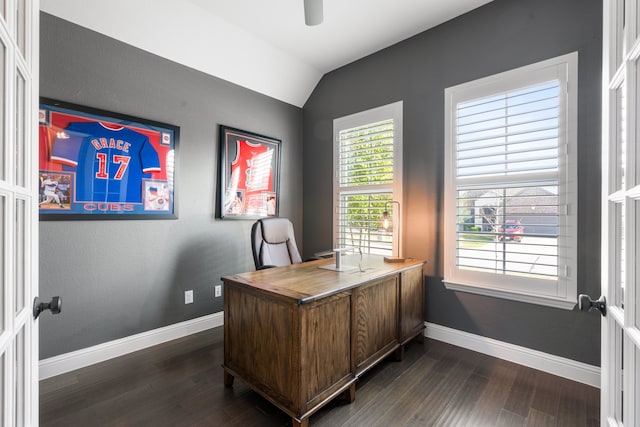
[(109, 163)]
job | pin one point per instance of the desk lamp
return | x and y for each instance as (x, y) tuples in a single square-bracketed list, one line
[(385, 225)]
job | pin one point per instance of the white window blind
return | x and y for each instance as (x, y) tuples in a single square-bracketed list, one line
[(510, 133), (510, 191), (366, 170), (366, 155), (506, 180)]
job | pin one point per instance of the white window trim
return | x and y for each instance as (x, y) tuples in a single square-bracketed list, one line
[(565, 68), (385, 112)]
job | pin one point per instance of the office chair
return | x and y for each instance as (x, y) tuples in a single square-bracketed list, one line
[(273, 243)]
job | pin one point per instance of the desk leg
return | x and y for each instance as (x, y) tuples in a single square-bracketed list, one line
[(399, 354), (228, 379), (301, 423), (350, 393)]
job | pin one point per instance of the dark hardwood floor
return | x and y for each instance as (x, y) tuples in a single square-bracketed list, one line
[(180, 384)]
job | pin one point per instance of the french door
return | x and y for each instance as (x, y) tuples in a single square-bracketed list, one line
[(620, 381), (18, 211)]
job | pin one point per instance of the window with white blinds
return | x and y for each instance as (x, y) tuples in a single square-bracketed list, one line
[(367, 170), (510, 185)]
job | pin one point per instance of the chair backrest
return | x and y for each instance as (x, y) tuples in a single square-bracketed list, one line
[(273, 243)]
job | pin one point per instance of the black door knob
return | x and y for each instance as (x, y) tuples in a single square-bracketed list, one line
[(585, 303), (55, 305)]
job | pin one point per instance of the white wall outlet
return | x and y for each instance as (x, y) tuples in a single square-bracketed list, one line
[(188, 297), (217, 291)]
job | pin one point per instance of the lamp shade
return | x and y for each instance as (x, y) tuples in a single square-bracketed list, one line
[(313, 14), (385, 220), (385, 225)]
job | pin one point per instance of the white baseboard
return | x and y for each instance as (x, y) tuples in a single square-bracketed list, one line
[(99, 353), (560, 366), (566, 368)]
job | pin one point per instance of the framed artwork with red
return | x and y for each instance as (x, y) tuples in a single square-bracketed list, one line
[(249, 174), (96, 164)]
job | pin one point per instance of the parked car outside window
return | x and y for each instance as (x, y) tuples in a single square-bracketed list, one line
[(512, 230)]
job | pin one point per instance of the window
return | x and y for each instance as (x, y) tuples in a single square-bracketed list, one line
[(368, 179), (510, 184)]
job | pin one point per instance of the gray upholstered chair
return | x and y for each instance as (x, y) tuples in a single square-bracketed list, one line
[(273, 243)]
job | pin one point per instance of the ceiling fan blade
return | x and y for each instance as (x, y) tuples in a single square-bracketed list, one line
[(313, 14)]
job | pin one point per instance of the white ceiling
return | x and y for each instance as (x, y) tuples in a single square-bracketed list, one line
[(262, 45)]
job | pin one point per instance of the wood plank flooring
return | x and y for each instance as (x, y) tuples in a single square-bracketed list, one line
[(179, 383)]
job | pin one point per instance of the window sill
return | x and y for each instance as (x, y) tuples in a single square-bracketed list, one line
[(566, 304)]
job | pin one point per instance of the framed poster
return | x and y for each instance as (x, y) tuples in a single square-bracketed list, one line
[(96, 164), (249, 174)]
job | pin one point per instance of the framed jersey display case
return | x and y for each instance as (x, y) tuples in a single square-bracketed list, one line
[(96, 164), (249, 174)]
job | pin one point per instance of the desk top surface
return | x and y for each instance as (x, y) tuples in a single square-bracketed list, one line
[(308, 281)]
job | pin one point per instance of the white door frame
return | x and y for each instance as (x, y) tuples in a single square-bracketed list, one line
[(620, 351), (19, 63)]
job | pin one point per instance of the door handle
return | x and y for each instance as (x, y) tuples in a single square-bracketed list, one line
[(55, 305), (585, 303)]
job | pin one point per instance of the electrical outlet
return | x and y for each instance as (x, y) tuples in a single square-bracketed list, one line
[(218, 291), (188, 297)]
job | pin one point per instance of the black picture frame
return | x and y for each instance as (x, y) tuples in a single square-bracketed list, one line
[(101, 165), (249, 174)]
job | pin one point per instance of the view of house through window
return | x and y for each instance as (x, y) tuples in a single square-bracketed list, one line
[(492, 220), (367, 153)]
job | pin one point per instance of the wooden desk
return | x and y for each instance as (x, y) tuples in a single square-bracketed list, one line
[(301, 335)]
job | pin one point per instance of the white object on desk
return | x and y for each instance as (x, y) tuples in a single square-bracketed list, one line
[(324, 254), (338, 265)]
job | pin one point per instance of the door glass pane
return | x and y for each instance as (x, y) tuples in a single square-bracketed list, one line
[(635, 70), (621, 139), (619, 32), (3, 392), (636, 384), (618, 264), (618, 373), (3, 291), (3, 145), (637, 263), (19, 255), (637, 8), (20, 130), (19, 380), (21, 25), (3, 9)]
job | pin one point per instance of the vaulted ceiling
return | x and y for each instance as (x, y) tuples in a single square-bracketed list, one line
[(263, 45)]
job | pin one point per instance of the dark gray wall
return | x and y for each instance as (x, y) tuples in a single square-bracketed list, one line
[(119, 278), (502, 35)]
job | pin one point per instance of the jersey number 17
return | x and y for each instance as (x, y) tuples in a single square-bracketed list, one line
[(118, 159)]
